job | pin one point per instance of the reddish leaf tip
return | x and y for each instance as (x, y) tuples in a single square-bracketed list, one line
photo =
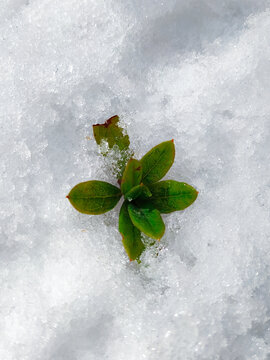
[(172, 140), (107, 122), (67, 197)]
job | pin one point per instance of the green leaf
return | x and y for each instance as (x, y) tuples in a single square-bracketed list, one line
[(118, 143), (140, 191), (157, 162), (131, 236), (132, 175), (170, 195), (111, 133), (94, 197), (147, 219)]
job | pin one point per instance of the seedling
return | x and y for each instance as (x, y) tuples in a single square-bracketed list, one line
[(145, 196)]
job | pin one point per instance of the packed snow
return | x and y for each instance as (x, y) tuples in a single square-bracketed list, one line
[(196, 71)]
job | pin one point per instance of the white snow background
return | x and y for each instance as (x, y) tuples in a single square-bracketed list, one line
[(197, 71)]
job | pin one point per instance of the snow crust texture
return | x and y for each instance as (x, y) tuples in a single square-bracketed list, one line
[(196, 71)]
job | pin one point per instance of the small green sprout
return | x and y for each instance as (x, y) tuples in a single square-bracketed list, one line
[(145, 196)]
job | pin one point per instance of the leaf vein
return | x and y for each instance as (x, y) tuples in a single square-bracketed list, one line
[(96, 197), (157, 161)]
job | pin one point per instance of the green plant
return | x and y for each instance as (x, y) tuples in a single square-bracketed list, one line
[(145, 197)]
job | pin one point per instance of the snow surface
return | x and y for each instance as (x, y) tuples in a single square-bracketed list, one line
[(197, 71)]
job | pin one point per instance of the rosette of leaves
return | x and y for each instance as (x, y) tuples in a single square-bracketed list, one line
[(145, 196)]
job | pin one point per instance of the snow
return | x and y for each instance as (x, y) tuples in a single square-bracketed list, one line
[(196, 71)]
